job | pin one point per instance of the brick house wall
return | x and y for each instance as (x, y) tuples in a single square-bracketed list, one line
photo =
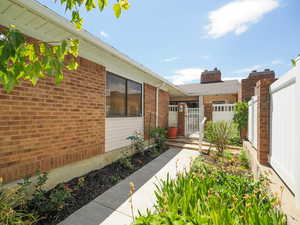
[(163, 109), (48, 126), (184, 99), (228, 98), (150, 108)]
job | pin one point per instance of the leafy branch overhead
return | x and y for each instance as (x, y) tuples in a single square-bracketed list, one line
[(21, 59), (74, 6), (24, 60)]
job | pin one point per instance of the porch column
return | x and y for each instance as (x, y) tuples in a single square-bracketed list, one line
[(263, 120), (181, 118), (201, 107)]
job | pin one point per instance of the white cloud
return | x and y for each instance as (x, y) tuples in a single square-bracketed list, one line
[(249, 69), (170, 59), (276, 62), (104, 34), (185, 76), (237, 15)]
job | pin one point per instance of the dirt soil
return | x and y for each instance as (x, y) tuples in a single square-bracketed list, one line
[(88, 187)]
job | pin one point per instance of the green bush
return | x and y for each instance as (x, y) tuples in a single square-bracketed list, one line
[(241, 115), (219, 133), (244, 158), (44, 202), (126, 162), (12, 203), (137, 142), (235, 140), (160, 137), (208, 195)]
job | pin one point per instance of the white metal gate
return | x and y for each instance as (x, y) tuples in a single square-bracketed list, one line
[(192, 121), (173, 116), (223, 112)]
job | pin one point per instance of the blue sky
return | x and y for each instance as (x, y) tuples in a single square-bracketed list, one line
[(178, 40)]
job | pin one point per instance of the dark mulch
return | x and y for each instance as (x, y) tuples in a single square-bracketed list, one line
[(95, 183)]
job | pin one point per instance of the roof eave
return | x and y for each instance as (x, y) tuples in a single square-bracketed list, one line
[(59, 20)]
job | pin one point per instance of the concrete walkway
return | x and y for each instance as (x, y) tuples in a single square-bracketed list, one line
[(113, 206)]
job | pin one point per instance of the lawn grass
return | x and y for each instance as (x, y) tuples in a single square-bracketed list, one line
[(217, 191)]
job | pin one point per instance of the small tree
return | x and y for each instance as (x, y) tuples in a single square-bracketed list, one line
[(219, 133), (241, 115)]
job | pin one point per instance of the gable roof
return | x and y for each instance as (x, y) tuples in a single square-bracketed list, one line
[(225, 87), (36, 20)]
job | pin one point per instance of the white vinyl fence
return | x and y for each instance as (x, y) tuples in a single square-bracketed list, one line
[(223, 112), (284, 156), (252, 121), (283, 128)]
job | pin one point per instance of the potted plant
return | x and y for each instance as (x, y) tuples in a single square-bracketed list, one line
[(172, 132)]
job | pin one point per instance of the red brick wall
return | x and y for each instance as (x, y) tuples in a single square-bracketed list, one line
[(149, 108), (208, 111), (48, 126), (263, 120), (163, 109)]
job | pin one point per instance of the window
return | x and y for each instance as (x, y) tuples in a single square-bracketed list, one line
[(123, 97), (134, 98)]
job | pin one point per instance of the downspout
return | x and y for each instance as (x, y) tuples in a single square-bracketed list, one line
[(157, 102)]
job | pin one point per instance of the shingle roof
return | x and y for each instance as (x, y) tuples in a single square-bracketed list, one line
[(226, 87)]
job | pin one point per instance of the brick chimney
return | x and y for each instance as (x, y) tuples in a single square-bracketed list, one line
[(267, 73), (211, 76), (247, 88)]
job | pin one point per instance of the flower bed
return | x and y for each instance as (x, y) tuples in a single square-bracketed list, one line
[(217, 190), (53, 206)]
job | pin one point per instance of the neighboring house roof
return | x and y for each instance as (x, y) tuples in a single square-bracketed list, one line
[(226, 87), (40, 22)]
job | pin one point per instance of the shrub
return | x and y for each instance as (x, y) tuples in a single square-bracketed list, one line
[(12, 202), (208, 195), (244, 158), (241, 115), (44, 202), (137, 142), (235, 140), (219, 133), (160, 137), (125, 161)]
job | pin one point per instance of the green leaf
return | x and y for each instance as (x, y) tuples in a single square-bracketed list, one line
[(124, 4), (89, 5), (72, 65), (5, 53), (293, 62), (16, 38), (59, 77), (102, 4), (74, 47), (117, 10)]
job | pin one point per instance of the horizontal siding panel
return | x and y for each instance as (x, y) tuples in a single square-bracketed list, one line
[(118, 129)]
